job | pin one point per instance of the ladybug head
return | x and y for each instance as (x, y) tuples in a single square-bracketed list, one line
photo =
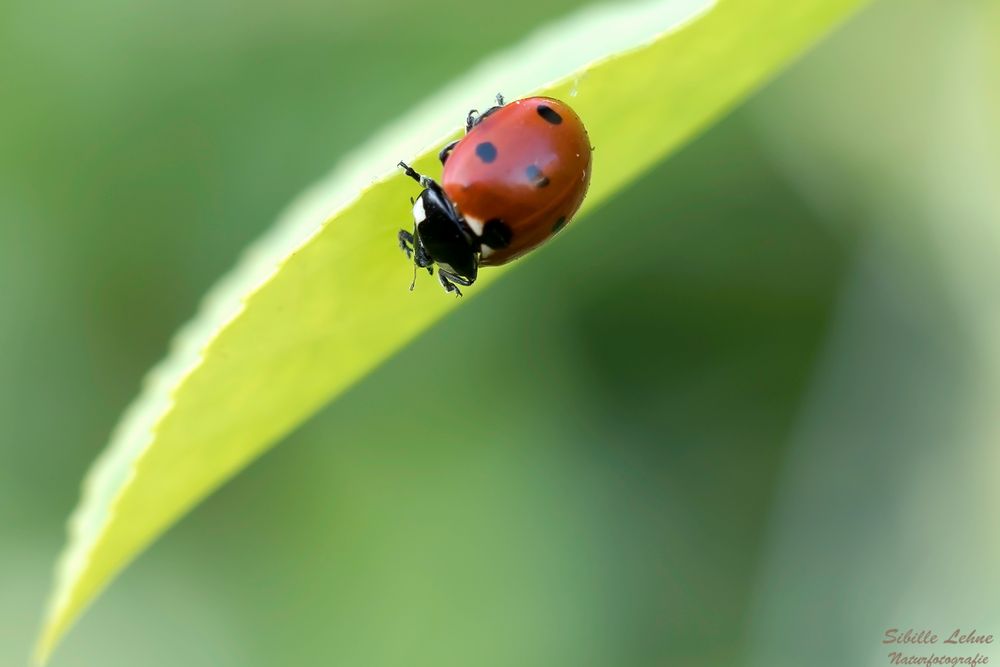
[(443, 234)]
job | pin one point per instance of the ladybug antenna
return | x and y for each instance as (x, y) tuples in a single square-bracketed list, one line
[(499, 99), (413, 283), (419, 178)]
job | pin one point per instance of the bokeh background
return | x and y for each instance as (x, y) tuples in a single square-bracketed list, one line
[(747, 413)]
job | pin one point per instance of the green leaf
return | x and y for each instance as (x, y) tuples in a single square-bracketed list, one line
[(322, 299)]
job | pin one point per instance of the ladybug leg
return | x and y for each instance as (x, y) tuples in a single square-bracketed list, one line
[(499, 100), (422, 259), (415, 250), (470, 120), (443, 278), (406, 243), (446, 151), (447, 280), (410, 246)]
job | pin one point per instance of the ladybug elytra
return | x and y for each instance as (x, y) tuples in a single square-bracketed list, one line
[(513, 181)]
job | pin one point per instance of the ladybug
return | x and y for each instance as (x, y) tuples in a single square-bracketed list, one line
[(513, 181)]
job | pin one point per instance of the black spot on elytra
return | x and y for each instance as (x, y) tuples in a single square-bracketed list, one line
[(536, 176), (549, 114), (560, 223), (487, 152), (496, 233)]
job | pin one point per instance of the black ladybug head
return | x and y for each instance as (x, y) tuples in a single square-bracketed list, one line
[(444, 234)]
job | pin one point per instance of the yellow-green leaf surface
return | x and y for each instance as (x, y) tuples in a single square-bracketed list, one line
[(322, 299)]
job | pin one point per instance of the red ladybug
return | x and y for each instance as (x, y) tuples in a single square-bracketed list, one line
[(515, 179)]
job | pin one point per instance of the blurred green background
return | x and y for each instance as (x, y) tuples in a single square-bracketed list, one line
[(745, 414)]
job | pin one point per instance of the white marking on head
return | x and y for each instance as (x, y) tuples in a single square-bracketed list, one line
[(484, 250), (475, 224), (419, 215)]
